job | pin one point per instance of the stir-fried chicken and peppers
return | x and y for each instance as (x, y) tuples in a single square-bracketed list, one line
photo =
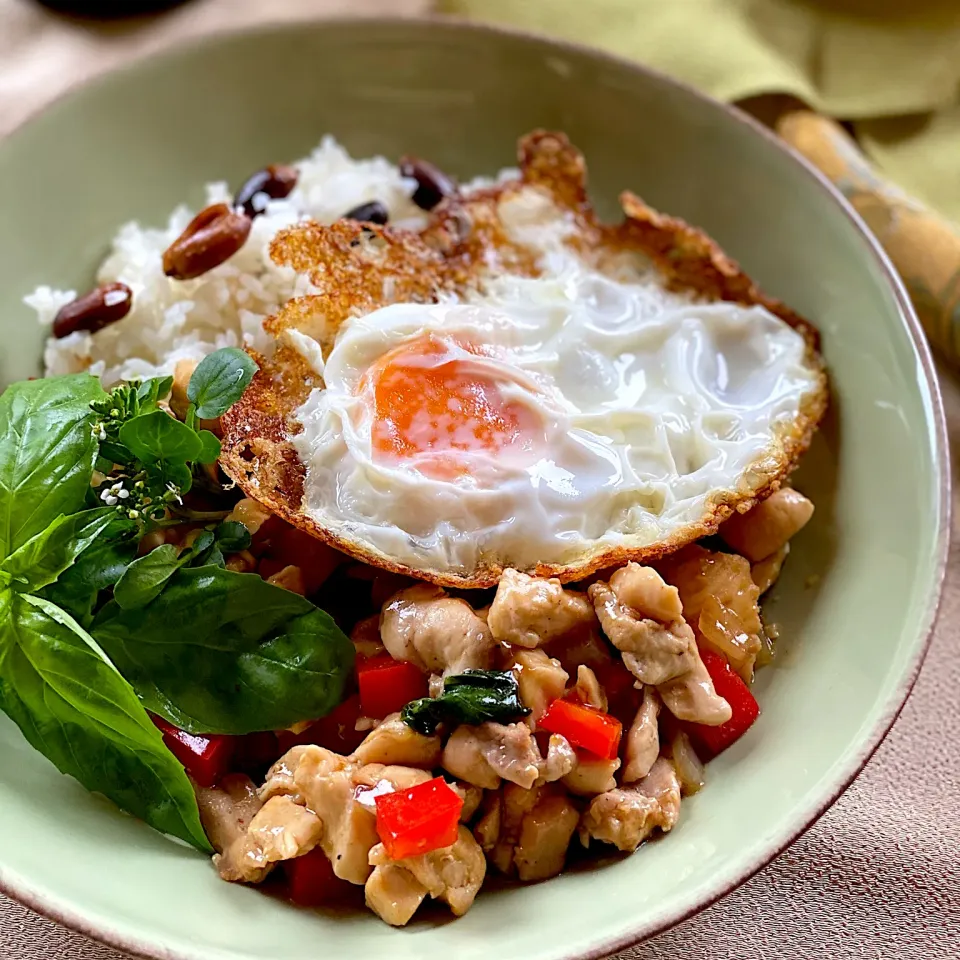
[(405, 742)]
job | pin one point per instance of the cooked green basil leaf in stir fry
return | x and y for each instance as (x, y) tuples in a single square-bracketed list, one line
[(473, 697)]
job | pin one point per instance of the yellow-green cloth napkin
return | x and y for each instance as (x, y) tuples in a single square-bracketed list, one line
[(862, 60)]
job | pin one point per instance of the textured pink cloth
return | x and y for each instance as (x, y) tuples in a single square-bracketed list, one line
[(877, 877)]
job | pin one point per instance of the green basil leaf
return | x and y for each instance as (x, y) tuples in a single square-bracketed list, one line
[(100, 566), (224, 652), (73, 706), (145, 578), (44, 557), (159, 438), (211, 447), (473, 697), (233, 536), (219, 381), (152, 391), (47, 453)]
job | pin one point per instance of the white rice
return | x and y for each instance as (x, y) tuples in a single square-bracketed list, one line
[(172, 320)]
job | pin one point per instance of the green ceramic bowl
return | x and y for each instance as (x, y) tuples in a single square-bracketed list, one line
[(860, 591)]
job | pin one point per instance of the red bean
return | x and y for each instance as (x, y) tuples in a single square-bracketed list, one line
[(94, 310), (276, 181), (372, 212), (432, 183)]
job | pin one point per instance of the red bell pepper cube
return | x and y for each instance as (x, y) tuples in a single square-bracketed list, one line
[(423, 818), (311, 881), (713, 740), (337, 731), (206, 757), (585, 727), (388, 685)]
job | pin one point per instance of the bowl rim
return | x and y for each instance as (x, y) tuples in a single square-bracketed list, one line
[(667, 919)]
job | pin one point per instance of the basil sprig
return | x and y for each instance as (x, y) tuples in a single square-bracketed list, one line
[(473, 697), (208, 649)]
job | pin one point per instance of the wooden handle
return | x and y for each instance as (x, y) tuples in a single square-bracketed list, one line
[(924, 247)]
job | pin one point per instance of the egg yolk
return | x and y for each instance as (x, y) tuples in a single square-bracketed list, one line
[(434, 405)]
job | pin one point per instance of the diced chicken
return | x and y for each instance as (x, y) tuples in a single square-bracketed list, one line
[(530, 611), (592, 775), (762, 531), (435, 686), (365, 637), (396, 743), (766, 572), (561, 759), (653, 651), (545, 835), (248, 512), (643, 738), (280, 777), (472, 796), (587, 689), (349, 827), (438, 633), (487, 829), (693, 697), (528, 832), (281, 830), (227, 809), (452, 874), (482, 755), (399, 778), (626, 816), (663, 654), (541, 680), (393, 893), (290, 578), (515, 804)]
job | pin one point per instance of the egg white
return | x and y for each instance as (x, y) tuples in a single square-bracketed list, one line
[(651, 403)]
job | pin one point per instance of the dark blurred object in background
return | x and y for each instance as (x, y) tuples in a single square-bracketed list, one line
[(108, 9)]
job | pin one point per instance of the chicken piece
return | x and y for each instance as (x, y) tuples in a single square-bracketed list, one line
[(487, 828), (227, 809), (653, 651), (289, 578), (438, 633), (325, 781), (281, 830), (182, 372), (661, 654), (626, 816), (762, 531), (531, 611), (365, 637), (482, 755), (561, 759), (545, 835), (693, 697), (541, 680), (588, 690), (250, 513), (515, 804), (472, 796), (766, 572), (396, 743), (393, 894), (435, 686), (279, 781), (643, 738), (453, 874), (284, 829), (592, 775), (399, 778)]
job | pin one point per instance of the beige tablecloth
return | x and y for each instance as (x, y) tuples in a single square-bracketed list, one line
[(877, 877)]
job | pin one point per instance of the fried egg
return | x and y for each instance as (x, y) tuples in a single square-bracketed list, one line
[(545, 417), (519, 385)]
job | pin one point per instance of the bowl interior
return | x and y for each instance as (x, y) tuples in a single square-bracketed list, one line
[(859, 589)]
